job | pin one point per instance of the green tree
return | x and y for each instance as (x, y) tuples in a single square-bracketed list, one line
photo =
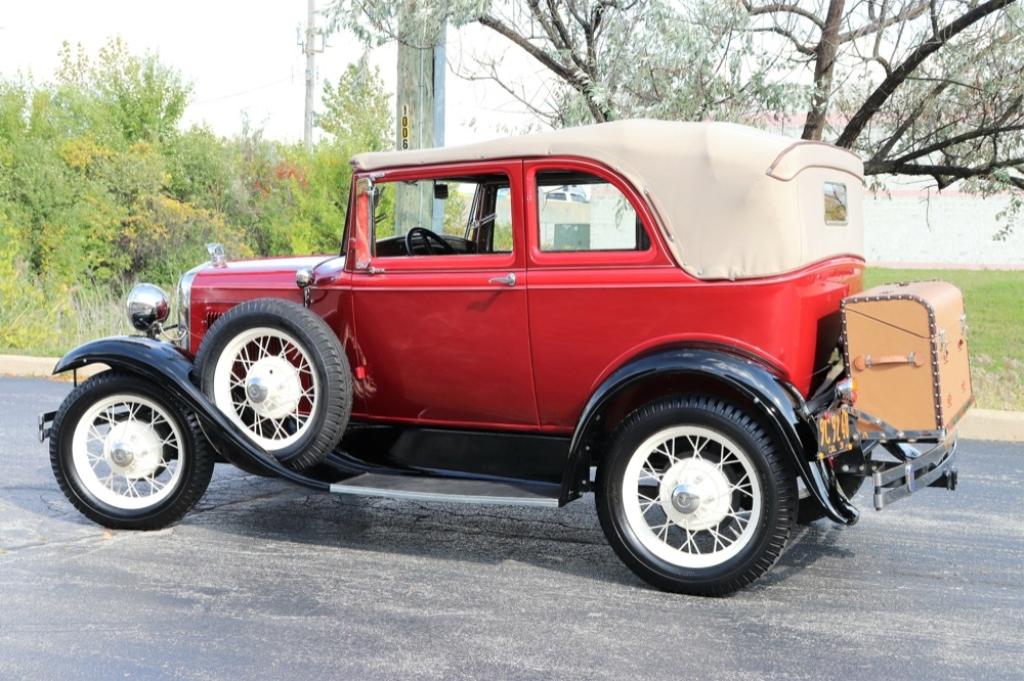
[(357, 117), (100, 187), (142, 97), (357, 111), (916, 87)]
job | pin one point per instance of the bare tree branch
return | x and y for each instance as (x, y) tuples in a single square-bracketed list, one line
[(945, 175), (787, 8), (900, 73), (880, 24), (824, 65), (798, 45), (901, 130), (991, 132), (576, 75)]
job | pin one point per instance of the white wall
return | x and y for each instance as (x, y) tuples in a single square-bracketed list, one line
[(917, 227)]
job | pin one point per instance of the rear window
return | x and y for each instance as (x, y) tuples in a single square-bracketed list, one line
[(835, 203)]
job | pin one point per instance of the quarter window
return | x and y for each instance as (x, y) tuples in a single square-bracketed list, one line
[(583, 212)]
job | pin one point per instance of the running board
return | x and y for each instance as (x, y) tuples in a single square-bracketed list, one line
[(452, 490)]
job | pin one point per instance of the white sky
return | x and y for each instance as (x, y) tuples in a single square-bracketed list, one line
[(241, 56)]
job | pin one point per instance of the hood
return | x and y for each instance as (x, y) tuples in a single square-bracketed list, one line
[(267, 273)]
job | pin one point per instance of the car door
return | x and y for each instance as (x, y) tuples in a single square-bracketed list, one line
[(443, 338), (601, 285)]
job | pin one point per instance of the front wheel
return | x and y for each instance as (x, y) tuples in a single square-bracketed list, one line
[(695, 497), (278, 371), (126, 455)]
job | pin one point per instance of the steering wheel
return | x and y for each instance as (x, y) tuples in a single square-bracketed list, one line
[(428, 238)]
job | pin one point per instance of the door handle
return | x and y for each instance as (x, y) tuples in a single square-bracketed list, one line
[(508, 280)]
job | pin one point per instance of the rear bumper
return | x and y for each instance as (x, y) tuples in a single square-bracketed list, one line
[(935, 467)]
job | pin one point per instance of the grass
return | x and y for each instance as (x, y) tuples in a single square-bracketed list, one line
[(995, 314), (51, 324), (994, 300)]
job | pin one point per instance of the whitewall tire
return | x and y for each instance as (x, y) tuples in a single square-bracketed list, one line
[(694, 495), (127, 455)]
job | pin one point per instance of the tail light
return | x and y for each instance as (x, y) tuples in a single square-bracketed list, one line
[(847, 390)]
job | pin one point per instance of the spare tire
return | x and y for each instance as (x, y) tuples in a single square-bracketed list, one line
[(278, 372)]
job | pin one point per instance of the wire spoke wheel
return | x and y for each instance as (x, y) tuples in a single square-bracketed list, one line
[(695, 496), (692, 496), (128, 452), (279, 373), (265, 381)]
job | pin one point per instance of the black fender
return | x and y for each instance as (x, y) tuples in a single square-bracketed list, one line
[(168, 367), (780, 404)]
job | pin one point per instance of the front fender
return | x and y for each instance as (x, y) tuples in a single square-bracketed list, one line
[(780, 404), (167, 367)]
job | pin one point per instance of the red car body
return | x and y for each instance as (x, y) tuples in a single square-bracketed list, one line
[(650, 311), (433, 342)]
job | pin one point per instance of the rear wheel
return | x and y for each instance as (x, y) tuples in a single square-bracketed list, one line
[(694, 496), (128, 456), (278, 372)]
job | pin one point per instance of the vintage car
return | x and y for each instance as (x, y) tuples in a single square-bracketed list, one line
[(668, 315)]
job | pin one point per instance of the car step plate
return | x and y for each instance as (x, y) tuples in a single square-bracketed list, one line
[(452, 490)]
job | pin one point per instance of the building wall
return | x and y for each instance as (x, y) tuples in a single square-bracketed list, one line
[(952, 228)]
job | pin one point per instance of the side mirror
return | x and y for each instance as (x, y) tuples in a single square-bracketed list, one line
[(362, 229)]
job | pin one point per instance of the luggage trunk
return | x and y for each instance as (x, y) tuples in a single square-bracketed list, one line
[(905, 346)]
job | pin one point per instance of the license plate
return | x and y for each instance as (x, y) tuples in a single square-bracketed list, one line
[(834, 433)]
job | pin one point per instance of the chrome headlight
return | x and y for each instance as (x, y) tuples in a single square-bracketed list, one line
[(147, 307)]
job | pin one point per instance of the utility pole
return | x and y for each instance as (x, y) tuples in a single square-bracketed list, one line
[(440, 64), (310, 49), (419, 109)]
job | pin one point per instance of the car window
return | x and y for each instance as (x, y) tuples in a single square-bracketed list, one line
[(582, 212), (448, 216), (502, 237)]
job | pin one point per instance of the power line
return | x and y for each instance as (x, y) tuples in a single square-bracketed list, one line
[(244, 92)]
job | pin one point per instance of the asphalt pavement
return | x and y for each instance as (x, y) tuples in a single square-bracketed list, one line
[(266, 581)]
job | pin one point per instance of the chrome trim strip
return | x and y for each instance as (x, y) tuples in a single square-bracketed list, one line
[(184, 301)]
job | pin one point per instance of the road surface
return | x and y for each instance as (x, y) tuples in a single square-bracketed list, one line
[(265, 581)]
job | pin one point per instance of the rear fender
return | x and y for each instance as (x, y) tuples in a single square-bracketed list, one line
[(779, 404), (166, 366)]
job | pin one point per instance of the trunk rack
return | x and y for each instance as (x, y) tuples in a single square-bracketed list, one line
[(913, 469)]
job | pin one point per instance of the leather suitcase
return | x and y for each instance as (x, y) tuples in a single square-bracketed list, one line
[(905, 346)]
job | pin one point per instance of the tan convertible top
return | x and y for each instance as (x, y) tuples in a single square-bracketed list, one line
[(733, 201)]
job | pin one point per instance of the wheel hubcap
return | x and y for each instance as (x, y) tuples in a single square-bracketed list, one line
[(121, 456), (133, 449), (695, 494), (255, 390), (684, 500), (273, 387)]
